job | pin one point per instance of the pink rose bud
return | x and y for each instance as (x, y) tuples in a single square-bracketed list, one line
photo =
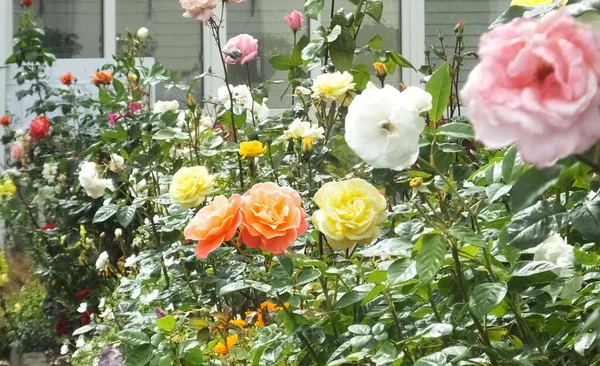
[(160, 313), (295, 20), (244, 46), (537, 85)]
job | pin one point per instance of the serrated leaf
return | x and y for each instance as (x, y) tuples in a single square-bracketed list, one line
[(308, 275), (402, 270), (439, 86), (486, 297), (586, 219), (125, 215), (430, 257), (456, 130), (105, 212), (535, 224), (531, 185), (133, 337)]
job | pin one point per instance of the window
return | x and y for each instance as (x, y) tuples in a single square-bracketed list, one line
[(264, 21), (444, 14), (174, 41), (73, 27)]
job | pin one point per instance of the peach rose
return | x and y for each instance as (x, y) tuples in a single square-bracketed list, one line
[(102, 78), (215, 223), (201, 10), (16, 151), (272, 217), (537, 85), (67, 79)]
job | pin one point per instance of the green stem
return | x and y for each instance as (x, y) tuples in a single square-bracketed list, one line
[(432, 303)]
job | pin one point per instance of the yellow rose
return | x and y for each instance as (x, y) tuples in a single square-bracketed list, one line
[(333, 86), (350, 212), (9, 188), (190, 186), (252, 149), (533, 2)]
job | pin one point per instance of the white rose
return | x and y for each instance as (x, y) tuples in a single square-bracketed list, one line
[(102, 261), (130, 261), (556, 250), (80, 342), (300, 90), (90, 181), (165, 106), (64, 349), (383, 125), (116, 163), (82, 308), (118, 232), (300, 130), (333, 86), (142, 33), (242, 98)]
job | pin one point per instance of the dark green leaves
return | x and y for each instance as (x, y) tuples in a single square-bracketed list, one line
[(531, 185), (586, 219), (535, 224), (105, 212), (456, 130), (401, 270), (313, 8), (374, 9), (125, 215), (342, 49), (439, 87), (430, 257), (512, 165), (281, 62), (133, 337), (486, 297)]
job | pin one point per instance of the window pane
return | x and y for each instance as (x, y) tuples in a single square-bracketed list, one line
[(174, 41), (388, 29), (264, 21), (73, 27), (444, 14)]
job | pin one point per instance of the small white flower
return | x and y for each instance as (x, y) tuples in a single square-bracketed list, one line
[(300, 90), (165, 106), (102, 261), (301, 130), (147, 299), (107, 314), (242, 98), (90, 181), (170, 307), (64, 349), (383, 126), (142, 33), (130, 261), (49, 171), (102, 303), (556, 250), (82, 307), (116, 163), (118, 232)]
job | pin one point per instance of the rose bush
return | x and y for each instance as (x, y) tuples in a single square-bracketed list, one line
[(361, 225)]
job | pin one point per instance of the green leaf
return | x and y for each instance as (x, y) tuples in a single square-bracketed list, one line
[(119, 88), (140, 356), (402, 270), (350, 298), (529, 268), (313, 8), (232, 287), (166, 323), (281, 62), (125, 215), (105, 212), (531, 185), (342, 51), (535, 224), (133, 337), (434, 359), (375, 42), (308, 275), (287, 264), (430, 257), (439, 86), (583, 342), (400, 60), (296, 57), (360, 76), (456, 130), (165, 360), (468, 236), (512, 165), (374, 9), (194, 357), (486, 297), (586, 219)]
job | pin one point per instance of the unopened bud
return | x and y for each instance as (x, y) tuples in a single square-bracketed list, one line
[(132, 77), (380, 69), (416, 182)]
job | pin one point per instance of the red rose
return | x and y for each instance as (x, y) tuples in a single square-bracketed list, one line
[(39, 128), (83, 293), (86, 317), (5, 121), (50, 226), (62, 326), (26, 2)]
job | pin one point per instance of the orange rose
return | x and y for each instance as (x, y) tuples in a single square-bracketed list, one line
[(272, 217), (5, 121), (214, 224), (67, 79), (102, 78)]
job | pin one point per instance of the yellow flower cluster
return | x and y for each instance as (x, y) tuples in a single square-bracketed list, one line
[(8, 188), (190, 186), (3, 271), (350, 212)]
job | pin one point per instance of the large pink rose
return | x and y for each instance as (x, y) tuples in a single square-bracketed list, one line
[(537, 85), (241, 49), (201, 10), (16, 151)]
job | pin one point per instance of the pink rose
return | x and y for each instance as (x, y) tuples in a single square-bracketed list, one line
[(241, 49), (537, 85), (113, 118), (201, 10), (294, 20), (16, 151), (135, 107)]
